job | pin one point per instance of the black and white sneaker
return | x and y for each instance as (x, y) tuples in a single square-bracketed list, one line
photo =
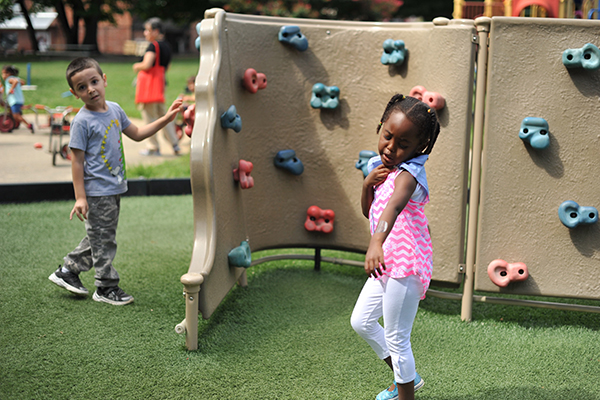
[(112, 295), (70, 281)]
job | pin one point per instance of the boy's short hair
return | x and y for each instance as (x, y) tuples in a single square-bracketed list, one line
[(78, 65), (155, 23)]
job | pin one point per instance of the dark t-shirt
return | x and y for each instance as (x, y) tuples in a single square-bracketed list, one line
[(165, 52)]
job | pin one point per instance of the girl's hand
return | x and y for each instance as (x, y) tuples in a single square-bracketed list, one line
[(374, 262), (377, 176)]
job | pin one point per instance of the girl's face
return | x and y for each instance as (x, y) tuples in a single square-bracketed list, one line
[(150, 34), (399, 140), (5, 74)]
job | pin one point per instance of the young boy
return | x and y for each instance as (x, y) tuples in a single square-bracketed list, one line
[(99, 179)]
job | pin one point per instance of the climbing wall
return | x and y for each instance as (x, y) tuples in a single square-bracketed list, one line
[(525, 181), (272, 213)]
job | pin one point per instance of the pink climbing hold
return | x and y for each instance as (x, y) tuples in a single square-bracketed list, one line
[(432, 99), (503, 273), (242, 174), (319, 220), (254, 81), (189, 117)]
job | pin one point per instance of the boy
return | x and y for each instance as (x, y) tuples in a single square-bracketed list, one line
[(99, 179)]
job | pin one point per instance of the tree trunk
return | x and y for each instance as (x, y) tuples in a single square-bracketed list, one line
[(71, 32), (91, 24), (30, 30)]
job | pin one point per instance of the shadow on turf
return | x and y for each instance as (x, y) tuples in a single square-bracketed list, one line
[(516, 393), (528, 317)]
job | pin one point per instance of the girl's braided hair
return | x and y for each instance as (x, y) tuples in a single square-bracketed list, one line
[(420, 114), (11, 70)]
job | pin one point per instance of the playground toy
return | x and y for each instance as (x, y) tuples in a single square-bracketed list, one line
[(59, 128), (242, 174), (189, 116), (363, 160), (394, 52), (293, 36), (324, 96), (254, 81), (503, 273), (432, 99), (197, 41), (587, 57), (494, 189), (287, 160), (572, 214), (535, 131), (318, 220), (240, 256), (231, 119)]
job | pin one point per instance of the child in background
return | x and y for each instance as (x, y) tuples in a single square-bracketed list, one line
[(399, 257), (99, 180), (14, 94)]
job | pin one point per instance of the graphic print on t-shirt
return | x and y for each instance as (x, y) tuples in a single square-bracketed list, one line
[(116, 170)]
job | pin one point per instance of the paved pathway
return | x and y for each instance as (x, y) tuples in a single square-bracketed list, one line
[(22, 162)]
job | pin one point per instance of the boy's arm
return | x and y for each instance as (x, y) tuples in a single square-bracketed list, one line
[(81, 205), (139, 134)]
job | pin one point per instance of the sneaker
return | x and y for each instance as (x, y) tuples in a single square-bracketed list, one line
[(31, 128), (112, 295), (419, 382), (70, 281), (148, 152), (393, 394), (176, 149)]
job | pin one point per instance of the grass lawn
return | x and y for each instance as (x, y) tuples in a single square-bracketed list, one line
[(286, 336), (49, 77)]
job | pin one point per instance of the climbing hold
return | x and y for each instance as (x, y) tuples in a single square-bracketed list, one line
[(535, 131), (394, 52), (189, 117), (292, 35), (240, 256), (231, 120), (572, 214), (432, 99), (286, 159), (363, 159), (242, 174), (319, 220), (503, 273), (587, 57), (253, 81), (324, 96)]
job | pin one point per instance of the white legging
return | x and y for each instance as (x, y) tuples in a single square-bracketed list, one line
[(397, 300)]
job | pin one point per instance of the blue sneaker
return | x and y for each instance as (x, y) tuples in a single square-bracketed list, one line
[(393, 394), (419, 382)]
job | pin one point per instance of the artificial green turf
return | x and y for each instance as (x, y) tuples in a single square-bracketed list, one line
[(175, 168), (285, 336)]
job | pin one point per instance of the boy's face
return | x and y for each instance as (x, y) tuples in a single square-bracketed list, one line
[(89, 86)]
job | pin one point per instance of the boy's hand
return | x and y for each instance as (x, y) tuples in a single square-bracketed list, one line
[(175, 108), (374, 262), (81, 209)]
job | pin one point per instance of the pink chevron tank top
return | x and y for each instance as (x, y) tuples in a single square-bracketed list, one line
[(407, 249)]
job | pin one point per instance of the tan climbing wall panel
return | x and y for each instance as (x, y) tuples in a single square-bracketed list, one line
[(522, 188), (344, 54)]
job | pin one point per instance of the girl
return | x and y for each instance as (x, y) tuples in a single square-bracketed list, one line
[(14, 94), (398, 260)]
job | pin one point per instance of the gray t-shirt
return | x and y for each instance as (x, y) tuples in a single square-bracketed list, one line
[(98, 134)]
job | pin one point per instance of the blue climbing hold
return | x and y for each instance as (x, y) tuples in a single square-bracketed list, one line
[(240, 256), (535, 131), (286, 159), (324, 96), (572, 214), (394, 52), (587, 57), (292, 35), (363, 159), (231, 120)]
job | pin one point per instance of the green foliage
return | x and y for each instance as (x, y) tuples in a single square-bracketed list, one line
[(49, 77), (286, 336), (177, 168)]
